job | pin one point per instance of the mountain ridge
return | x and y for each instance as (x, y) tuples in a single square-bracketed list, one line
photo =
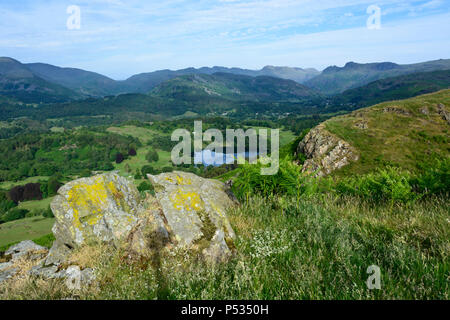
[(334, 80)]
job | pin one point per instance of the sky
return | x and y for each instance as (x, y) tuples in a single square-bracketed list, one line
[(119, 38)]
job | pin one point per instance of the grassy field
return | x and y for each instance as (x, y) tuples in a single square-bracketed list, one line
[(6, 185), (36, 205), (143, 134), (25, 229)]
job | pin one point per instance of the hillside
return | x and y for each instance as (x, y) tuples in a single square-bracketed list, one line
[(403, 133), (144, 82), (230, 86), (20, 83), (84, 82), (395, 88), (334, 80)]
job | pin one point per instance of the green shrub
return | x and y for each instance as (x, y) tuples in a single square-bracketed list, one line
[(149, 170), (435, 177), (152, 156), (145, 186), (390, 184), (48, 213), (289, 180), (45, 241), (14, 214)]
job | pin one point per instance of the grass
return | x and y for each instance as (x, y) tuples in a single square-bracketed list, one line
[(7, 185), (143, 134), (36, 205), (138, 161), (25, 229), (392, 138), (316, 248)]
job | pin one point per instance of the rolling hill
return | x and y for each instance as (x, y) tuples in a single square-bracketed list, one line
[(84, 82), (20, 83), (334, 80), (144, 82), (233, 87), (395, 88)]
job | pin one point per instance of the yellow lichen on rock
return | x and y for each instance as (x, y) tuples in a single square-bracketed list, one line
[(88, 200), (189, 201)]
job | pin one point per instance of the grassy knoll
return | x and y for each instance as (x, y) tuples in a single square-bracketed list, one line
[(401, 133)]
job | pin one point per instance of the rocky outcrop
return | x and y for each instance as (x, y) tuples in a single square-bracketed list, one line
[(442, 111), (24, 251), (188, 212), (195, 211), (396, 110), (325, 152)]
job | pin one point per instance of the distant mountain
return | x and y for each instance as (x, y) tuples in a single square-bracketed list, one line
[(395, 88), (84, 82), (17, 81), (334, 80), (233, 87), (144, 82)]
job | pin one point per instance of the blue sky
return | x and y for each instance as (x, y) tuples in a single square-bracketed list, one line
[(119, 38)]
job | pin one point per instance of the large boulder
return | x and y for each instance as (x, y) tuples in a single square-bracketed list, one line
[(195, 211), (99, 209), (188, 212), (102, 208)]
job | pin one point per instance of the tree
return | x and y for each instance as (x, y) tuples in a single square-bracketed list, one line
[(53, 185), (119, 158), (152, 156)]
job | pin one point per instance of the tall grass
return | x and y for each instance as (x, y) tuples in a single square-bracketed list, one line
[(296, 249)]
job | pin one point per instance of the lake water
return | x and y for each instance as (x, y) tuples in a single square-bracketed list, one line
[(210, 158)]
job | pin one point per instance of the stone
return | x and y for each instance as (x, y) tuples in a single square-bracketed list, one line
[(47, 272), (102, 208), (195, 211), (75, 278), (325, 152), (443, 112), (187, 212), (7, 271), (26, 249), (396, 110), (424, 110), (99, 209)]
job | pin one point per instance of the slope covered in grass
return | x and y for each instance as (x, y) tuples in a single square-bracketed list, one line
[(402, 133)]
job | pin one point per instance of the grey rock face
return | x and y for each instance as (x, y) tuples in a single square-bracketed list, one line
[(325, 152)]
